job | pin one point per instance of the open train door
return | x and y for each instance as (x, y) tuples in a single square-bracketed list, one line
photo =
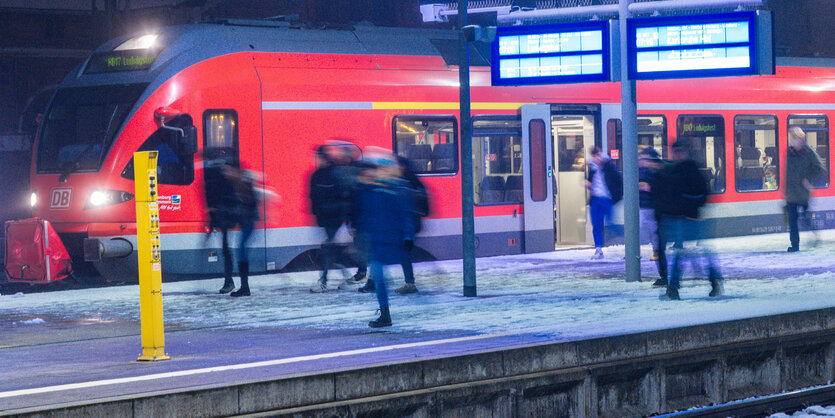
[(538, 181)]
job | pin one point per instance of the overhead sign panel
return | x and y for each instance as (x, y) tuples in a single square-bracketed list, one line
[(551, 54), (700, 46)]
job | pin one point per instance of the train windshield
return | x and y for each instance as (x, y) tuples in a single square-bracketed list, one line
[(80, 126)]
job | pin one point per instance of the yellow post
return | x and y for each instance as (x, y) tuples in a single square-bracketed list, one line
[(148, 252)]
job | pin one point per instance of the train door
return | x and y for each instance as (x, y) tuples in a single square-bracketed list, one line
[(574, 129), (537, 183)]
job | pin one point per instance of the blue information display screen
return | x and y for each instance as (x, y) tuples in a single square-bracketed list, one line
[(551, 54), (693, 46)]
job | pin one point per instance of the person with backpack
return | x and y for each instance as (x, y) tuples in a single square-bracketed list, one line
[(606, 187), (679, 194), (231, 201)]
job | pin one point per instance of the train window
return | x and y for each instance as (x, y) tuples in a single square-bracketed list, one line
[(652, 132), (430, 143), (174, 166), (497, 159), (706, 134), (816, 128), (539, 181), (756, 155), (80, 126)]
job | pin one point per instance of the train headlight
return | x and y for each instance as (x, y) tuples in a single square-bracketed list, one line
[(100, 198), (33, 200)]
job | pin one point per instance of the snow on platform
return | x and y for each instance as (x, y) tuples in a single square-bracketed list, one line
[(562, 294)]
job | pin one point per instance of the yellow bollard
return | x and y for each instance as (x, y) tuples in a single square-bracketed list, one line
[(148, 252)]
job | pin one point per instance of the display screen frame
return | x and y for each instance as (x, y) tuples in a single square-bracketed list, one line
[(508, 31), (749, 17)]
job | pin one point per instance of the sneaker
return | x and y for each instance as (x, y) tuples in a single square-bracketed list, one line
[(660, 283), (716, 288), (793, 249), (670, 294), (406, 289), (654, 256), (598, 254), (356, 279), (320, 286)]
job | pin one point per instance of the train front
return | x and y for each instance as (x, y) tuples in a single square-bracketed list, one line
[(114, 104)]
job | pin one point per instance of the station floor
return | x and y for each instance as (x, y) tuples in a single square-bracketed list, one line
[(61, 347)]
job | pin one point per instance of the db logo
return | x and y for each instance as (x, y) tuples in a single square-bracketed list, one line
[(60, 198)]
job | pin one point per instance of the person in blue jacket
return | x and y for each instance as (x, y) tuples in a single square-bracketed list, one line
[(385, 219)]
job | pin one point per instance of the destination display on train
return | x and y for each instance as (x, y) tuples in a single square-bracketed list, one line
[(550, 54), (693, 46), (117, 61)]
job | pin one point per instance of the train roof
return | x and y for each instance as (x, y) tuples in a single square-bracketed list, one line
[(185, 45)]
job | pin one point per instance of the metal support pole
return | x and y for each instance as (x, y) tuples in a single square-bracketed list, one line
[(629, 118), (467, 217)]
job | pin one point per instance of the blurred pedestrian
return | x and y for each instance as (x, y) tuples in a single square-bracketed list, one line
[(606, 186), (680, 192), (384, 217), (231, 201), (329, 202), (649, 164), (802, 168)]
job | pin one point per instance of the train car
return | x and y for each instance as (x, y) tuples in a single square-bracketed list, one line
[(273, 93)]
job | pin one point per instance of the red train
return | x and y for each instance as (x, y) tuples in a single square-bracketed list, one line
[(274, 93)]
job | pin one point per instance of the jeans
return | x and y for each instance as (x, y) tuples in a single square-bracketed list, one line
[(243, 257), (794, 232), (328, 249), (649, 227), (681, 230), (601, 207), (380, 284), (361, 245)]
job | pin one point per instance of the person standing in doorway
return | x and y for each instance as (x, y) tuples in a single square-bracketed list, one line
[(802, 168), (606, 186)]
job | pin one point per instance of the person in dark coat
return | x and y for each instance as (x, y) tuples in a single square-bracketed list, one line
[(418, 201), (679, 194), (606, 186), (385, 218), (231, 201), (802, 168), (329, 202), (649, 164)]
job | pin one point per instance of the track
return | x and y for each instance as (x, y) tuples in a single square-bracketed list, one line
[(785, 402)]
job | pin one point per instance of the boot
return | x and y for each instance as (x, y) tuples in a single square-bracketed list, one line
[(383, 321), (671, 294), (369, 287), (244, 290), (654, 256), (660, 283), (228, 285)]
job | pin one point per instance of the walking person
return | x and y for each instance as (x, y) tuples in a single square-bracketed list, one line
[(606, 186), (384, 217), (650, 168), (329, 201), (418, 205), (680, 193), (231, 201), (802, 168)]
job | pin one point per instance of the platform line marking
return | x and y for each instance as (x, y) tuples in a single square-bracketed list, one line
[(105, 382)]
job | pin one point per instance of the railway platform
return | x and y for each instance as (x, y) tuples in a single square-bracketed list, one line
[(548, 332)]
